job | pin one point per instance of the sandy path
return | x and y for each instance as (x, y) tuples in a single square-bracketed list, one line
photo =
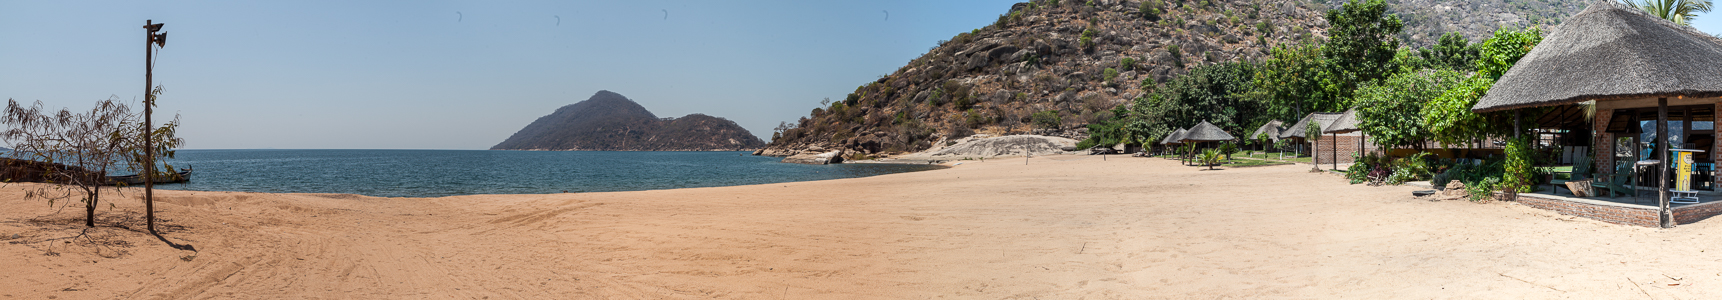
[(1063, 227)]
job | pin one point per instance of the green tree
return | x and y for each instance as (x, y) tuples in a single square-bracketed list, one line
[(1449, 117), (1499, 53), (1287, 85), (1678, 11), (1390, 111), (1452, 51), (1362, 45), (1217, 93)]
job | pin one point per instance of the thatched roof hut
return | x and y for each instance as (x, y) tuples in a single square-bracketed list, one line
[(1630, 63), (1345, 123), (1271, 129), (1610, 51), (1176, 137), (1319, 120), (1207, 132)]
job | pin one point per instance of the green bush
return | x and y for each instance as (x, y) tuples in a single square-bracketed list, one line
[(1483, 189), (1149, 10), (1087, 39), (1518, 172), (1108, 75), (1228, 149), (1047, 120), (1127, 64), (1359, 170), (1210, 158), (1177, 55)]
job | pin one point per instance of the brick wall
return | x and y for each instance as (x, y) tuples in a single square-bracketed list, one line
[(1606, 213), (1623, 215), (1697, 212), (1348, 145)]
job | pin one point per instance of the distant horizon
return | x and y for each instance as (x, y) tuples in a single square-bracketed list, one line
[(457, 75)]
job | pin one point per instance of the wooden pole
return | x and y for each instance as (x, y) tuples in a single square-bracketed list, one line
[(1666, 216), (149, 146)]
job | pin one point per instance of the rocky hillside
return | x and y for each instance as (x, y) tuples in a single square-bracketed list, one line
[(1426, 20), (610, 122), (1046, 67)]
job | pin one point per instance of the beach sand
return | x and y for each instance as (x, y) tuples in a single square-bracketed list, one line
[(1060, 227)]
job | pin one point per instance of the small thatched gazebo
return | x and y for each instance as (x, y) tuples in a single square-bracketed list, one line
[(1271, 129), (1173, 138), (1207, 132), (1345, 123), (1630, 63)]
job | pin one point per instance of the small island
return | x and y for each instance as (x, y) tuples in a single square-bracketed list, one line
[(611, 122)]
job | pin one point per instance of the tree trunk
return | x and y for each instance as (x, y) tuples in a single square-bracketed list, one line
[(1667, 218), (90, 207)]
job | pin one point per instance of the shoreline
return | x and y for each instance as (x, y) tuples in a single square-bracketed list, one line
[(1060, 227)]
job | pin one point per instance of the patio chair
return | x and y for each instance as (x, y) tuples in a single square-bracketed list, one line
[(1618, 182), (1579, 178)]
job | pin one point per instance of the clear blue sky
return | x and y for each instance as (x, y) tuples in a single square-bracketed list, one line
[(419, 75), (463, 75)]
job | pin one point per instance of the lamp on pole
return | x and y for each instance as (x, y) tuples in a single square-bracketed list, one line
[(154, 38)]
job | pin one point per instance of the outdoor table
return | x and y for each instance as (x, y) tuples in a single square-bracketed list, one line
[(1637, 171)]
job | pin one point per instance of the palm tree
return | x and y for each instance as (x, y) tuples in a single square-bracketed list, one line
[(1677, 11)]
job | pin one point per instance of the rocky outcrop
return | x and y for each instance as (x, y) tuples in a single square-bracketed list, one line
[(610, 122), (1014, 145), (833, 157), (1426, 20)]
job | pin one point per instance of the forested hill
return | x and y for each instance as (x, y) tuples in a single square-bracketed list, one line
[(1056, 67), (1048, 67), (610, 122)]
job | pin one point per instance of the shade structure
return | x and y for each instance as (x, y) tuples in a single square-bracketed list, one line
[(1319, 120), (1207, 132), (1610, 51), (1174, 138), (1345, 123), (1271, 129)]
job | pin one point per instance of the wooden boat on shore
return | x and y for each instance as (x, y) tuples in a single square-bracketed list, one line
[(183, 176)]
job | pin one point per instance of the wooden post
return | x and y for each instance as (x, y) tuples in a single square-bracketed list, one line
[(1666, 216), (149, 149), (1335, 143)]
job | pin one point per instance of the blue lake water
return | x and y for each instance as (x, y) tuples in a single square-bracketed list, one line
[(434, 173)]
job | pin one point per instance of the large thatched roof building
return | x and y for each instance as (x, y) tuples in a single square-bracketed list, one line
[(1611, 51), (1345, 123), (1642, 75), (1319, 120)]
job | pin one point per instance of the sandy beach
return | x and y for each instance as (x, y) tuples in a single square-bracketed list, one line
[(1059, 227)]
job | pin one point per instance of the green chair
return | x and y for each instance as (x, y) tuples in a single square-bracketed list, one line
[(1622, 181), (1581, 170)]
